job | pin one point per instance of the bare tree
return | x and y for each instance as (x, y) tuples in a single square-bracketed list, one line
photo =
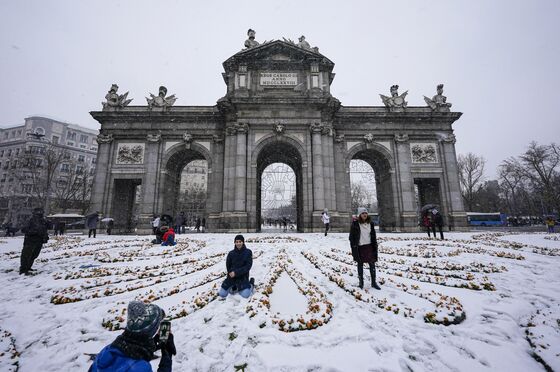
[(540, 165), (358, 196), (73, 186), (37, 170), (471, 176), (511, 180)]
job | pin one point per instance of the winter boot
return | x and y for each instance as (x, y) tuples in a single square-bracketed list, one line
[(373, 277), (361, 275)]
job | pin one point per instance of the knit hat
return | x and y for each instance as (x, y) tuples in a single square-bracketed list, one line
[(143, 318), (239, 237), (362, 210)]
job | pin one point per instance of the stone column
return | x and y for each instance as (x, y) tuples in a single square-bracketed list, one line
[(328, 167), (457, 216), (318, 176), (229, 169), (408, 207), (241, 168), (99, 190)]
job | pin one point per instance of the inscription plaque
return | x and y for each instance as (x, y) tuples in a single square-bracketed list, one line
[(278, 79)]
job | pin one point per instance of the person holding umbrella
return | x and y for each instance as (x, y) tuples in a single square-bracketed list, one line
[(110, 223)]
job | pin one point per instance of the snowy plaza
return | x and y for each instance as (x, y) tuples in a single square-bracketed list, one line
[(472, 302)]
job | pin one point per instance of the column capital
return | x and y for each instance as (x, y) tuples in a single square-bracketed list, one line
[(104, 138), (401, 138)]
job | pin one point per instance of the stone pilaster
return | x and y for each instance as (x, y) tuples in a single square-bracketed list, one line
[(406, 183), (101, 181), (456, 214), (151, 179)]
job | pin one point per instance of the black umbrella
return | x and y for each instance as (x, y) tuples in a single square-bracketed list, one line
[(167, 219), (428, 207)]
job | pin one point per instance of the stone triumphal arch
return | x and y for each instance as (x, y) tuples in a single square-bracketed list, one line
[(277, 109)]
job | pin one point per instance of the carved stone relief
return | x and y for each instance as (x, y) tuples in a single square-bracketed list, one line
[(424, 152), (130, 153)]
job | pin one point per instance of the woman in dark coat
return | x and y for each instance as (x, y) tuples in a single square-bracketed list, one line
[(364, 245)]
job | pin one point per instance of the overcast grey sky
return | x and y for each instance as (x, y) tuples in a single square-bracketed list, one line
[(499, 60)]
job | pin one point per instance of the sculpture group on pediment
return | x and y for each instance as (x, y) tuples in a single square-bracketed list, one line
[(396, 102), (114, 100), (251, 42), (439, 101), (161, 100)]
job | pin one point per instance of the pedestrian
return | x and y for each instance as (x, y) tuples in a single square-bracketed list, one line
[(155, 224), (437, 221), (179, 221), (550, 224), (91, 224), (36, 234), (110, 225), (363, 243), (238, 264), (197, 226), (168, 238), (134, 348), (427, 223), (61, 228), (203, 224), (326, 220)]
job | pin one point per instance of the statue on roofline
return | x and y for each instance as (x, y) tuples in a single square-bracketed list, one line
[(396, 102), (439, 101), (161, 100), (114, 100)]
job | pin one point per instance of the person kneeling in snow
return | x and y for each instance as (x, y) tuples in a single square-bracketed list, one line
[(169, 237), (135, 347), (238, 264)]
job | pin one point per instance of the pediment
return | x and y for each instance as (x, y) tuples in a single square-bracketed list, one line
[(276, 51)]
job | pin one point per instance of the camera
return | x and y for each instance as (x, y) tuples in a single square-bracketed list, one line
[(164, 330)]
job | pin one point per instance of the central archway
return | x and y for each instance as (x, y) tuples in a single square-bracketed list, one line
[(279, 151)]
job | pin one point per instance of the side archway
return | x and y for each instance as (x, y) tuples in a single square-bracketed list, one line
[(382, 163), (174, 161)]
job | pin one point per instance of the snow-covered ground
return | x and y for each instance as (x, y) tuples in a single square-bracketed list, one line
[(474, 302)]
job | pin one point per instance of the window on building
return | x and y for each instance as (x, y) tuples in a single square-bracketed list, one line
[(39, 162), (1, 153), (93, 160), (79, 169), (65, 168), (19, 132), (84, 138), (93, 148), (17, 151), (55, 140), (66, 155), (70, 143), (9, 152), (81, 158)]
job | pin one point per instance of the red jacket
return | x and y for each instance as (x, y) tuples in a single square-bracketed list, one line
[(168, 233)]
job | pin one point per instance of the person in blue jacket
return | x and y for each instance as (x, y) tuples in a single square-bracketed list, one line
[(238, 264), (135, 347)]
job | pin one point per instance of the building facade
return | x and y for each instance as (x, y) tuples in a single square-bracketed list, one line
[(26, 153), (278, 109)]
